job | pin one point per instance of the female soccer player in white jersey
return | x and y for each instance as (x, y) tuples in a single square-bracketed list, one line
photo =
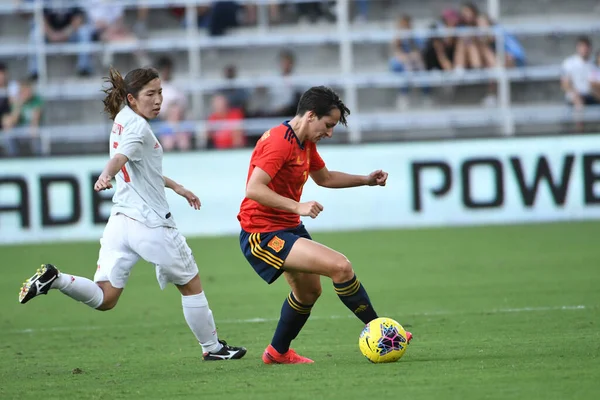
[(140, 225)]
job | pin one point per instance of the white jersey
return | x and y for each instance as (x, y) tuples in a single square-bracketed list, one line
[(579, 72), (140, 193)]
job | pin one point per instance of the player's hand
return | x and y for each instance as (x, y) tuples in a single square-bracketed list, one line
[(103, 182), (377, 178), (191, 198), (309, 209)]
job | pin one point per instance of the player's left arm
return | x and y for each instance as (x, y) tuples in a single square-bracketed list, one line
[(178, 188), (338, 180)]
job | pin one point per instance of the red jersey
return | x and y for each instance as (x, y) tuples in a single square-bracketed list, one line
[(223, 138), (288, 162)]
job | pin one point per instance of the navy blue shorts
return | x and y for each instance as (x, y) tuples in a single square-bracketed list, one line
[(266, 252)]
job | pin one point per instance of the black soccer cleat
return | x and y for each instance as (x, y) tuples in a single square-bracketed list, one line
[(39, 283), (227, 352)]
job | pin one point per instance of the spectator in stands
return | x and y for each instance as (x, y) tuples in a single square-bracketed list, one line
[(362, 10), (468, 49), (26, 113), (236, 97), (107, 20), (314, 10), (595, 77), (141, 25), (407, 57), (576, 73), (171, 130), (514, 52), (219, 17), (4, 92), (469, 13), (231, 134), (274, 13), (406, 53), (63, 24), (440, 51), (284, 97)]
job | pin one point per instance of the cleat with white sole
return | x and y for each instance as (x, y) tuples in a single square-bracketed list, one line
[(39, 283)]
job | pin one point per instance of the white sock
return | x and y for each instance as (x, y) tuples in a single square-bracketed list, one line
[(80, 289), (200, 320)]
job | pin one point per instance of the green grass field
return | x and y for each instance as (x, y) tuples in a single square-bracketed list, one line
[(497, 312)]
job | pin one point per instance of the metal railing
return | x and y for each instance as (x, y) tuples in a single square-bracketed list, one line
[(351, 81)]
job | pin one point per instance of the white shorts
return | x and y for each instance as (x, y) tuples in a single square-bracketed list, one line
[(125, 241)]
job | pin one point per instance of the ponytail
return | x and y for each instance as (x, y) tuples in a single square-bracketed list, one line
[(116, 95)]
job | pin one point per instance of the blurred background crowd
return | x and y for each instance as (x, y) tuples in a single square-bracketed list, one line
[(408, 70)]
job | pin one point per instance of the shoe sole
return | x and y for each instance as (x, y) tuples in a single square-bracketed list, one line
[(236, 356), (269, 360), (27, 284)]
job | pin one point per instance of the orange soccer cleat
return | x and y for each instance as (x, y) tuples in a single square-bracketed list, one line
[(272, 356)]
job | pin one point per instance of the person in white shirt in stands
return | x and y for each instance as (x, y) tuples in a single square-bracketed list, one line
[(576, 73), (595, 77), (140, 225), (108, 20)]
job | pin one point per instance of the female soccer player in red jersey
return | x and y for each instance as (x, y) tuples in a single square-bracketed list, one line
[(274, 240)]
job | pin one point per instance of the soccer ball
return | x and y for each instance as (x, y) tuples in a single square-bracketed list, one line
[(383, 340)]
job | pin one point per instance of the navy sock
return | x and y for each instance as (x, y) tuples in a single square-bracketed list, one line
[(355, 297), (293, 317)]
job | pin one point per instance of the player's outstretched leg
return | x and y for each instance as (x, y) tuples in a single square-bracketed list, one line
[(199, 318), (309, 256), (354, 296), (294, 314), (49, 277)]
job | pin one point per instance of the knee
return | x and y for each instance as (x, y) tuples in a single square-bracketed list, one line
[(342, 271), (107, 306), (309, 295)]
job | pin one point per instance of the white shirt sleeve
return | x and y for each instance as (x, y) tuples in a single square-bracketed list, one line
[(132, 143), (566, 68)]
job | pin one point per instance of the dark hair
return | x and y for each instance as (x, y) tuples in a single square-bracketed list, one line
[(164, 62), (287, 54), (321, 100), (133, 82), (2, 66), (585, 40), (406, 18), (471, 6)]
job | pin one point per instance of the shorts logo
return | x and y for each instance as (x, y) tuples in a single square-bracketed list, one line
[(276, 244)]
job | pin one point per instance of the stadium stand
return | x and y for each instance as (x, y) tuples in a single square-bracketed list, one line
[(269, 50)]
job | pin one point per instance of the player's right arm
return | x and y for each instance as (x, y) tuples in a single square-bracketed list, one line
[(259, 191), (129, 148), (271, 154), (111, 169), (567, 85)]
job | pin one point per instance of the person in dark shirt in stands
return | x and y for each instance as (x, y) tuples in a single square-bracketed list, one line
[(63, 22), (4, 103)]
